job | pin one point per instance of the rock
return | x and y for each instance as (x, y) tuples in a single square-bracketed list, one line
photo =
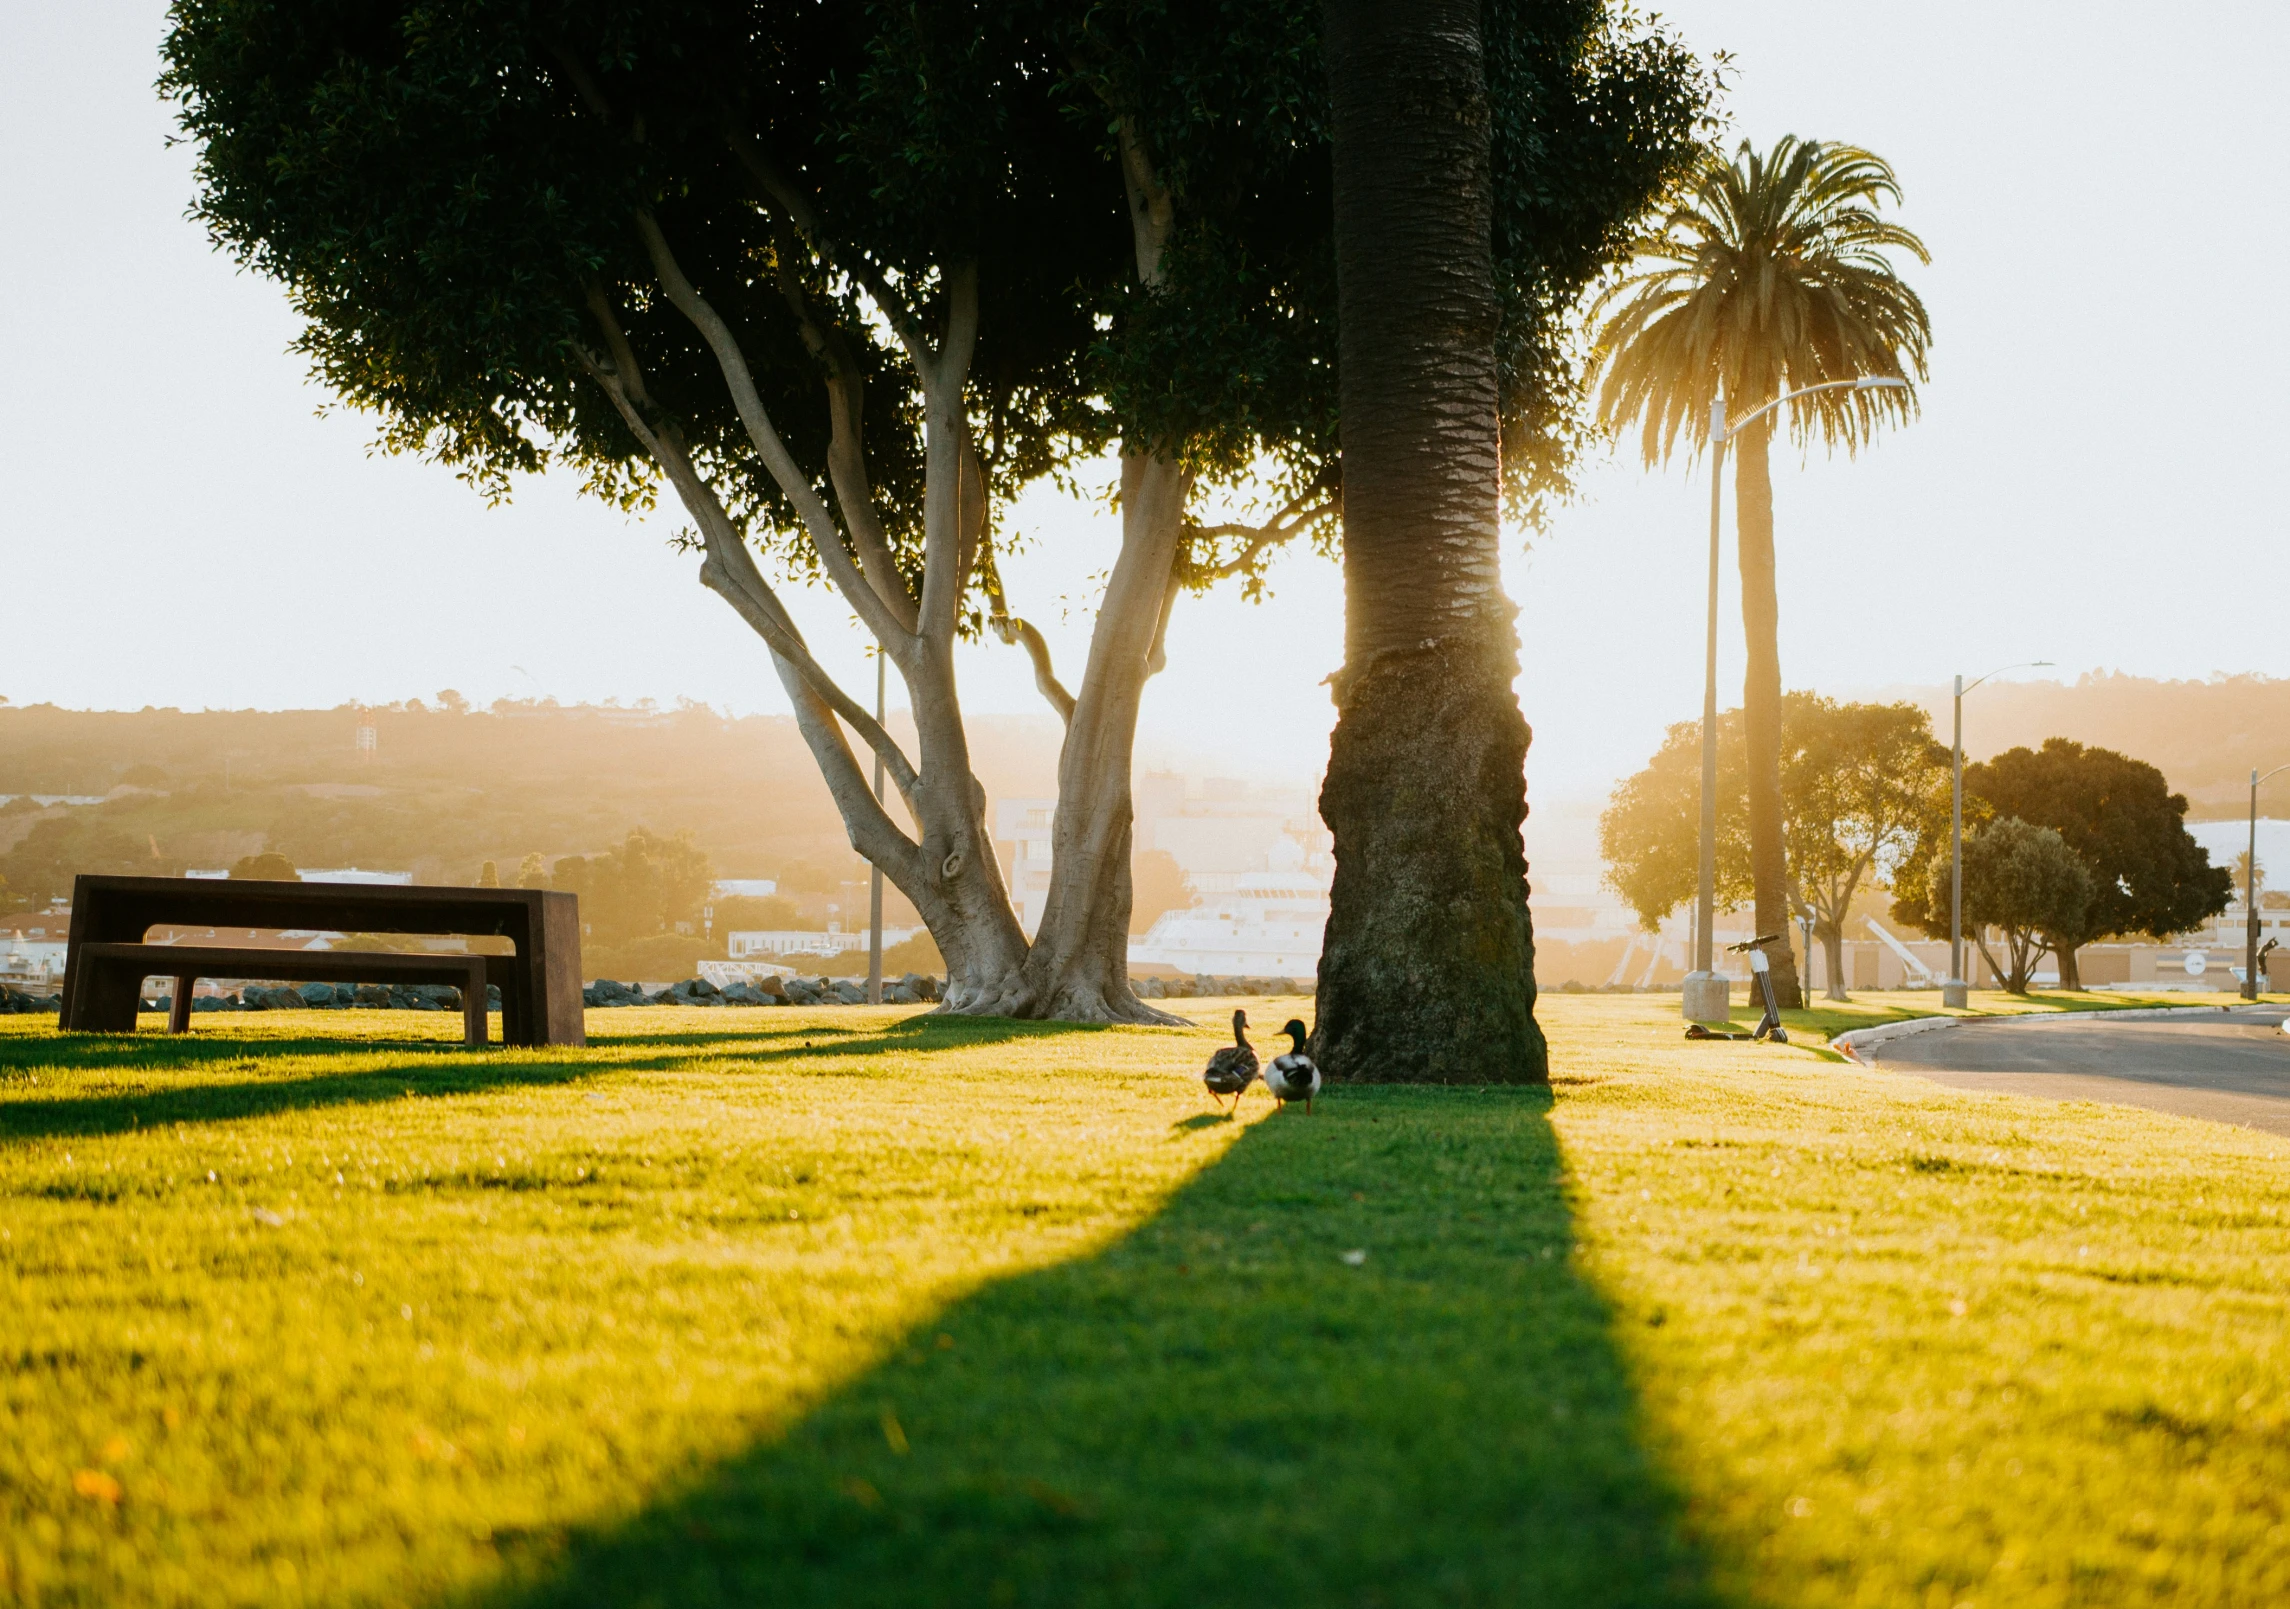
[(317, 994), (770, 987), (849, 993)]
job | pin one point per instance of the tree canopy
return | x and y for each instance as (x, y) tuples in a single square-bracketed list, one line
[(2028, 884), (1864, 792), (2119, 816)]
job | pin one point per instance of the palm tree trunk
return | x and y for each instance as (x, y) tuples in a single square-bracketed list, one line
[(1761, 703), (1427, 970)]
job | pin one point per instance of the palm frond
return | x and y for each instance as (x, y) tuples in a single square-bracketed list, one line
[(1773, 272)]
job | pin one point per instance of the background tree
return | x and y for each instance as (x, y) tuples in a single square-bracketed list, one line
[(533, 871), (1162, 886), (269, 866), (2026, 882), (1649, 835), (2148, 874), (1864, 793), (1469, 213), (645, 886), (1864, 790), (59, 846), (1771, 275)]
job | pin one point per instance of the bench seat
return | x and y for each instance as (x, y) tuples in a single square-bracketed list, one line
[(114, 975)]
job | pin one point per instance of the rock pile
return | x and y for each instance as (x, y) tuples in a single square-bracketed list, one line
[(1195, 988), (332, 997), (913, 989), (14, 1002)]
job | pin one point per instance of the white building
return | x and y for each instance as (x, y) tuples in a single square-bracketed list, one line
[(798, 941), (1022, 837), (1269, 924)]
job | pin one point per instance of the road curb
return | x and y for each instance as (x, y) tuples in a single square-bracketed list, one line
[(1850, 1045)]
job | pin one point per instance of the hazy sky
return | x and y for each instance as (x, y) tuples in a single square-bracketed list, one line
[(2095, 479)]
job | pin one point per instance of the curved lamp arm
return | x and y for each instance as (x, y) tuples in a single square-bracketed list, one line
[(2025, 664), (1725, 431)]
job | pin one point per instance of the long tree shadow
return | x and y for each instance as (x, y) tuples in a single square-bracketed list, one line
[(424, 1069), (1350, 1364), (241, 1099)]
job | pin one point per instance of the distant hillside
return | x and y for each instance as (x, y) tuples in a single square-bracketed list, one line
[(2205, 736), (445, 790)]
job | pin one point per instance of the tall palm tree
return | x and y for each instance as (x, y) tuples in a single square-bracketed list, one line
[(1770, 274), (1427, 970)]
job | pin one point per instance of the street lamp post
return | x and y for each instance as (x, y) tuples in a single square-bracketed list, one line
[(1956, 992), (2250, 989), (1708, 993), (875, 881)]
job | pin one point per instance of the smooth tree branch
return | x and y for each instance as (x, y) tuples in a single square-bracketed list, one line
[(846, 448), (1157, 656), (729, 572), (946, 439), (1283, 527), (1021, 632), (826, 537), (798, 210)]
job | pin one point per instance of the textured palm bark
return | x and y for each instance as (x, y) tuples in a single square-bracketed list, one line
[(1427, 969), (1761, 705)]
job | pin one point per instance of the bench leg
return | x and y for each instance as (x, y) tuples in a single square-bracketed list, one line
[(106, 999), (473, 1007), (179, 1007)]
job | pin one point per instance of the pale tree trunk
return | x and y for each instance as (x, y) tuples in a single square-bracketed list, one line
[(1427, 969), (1761, 705), (1079, 967), (950, 874)]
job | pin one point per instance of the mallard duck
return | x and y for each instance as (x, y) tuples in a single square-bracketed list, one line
[(1231, 1070), (1293, 1076)]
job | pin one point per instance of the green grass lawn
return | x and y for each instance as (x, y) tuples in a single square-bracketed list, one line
[(859, 1307)]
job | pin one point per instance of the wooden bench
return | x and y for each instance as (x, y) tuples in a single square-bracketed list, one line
[(110, 968), (106, 957)]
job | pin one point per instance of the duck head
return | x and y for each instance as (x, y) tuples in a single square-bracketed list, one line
[(1295, 1030), (1239, 1023)]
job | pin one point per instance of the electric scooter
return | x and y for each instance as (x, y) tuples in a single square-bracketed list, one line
[(1770, 1026)]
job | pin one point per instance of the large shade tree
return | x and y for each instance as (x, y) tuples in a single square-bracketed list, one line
[(1490, 161), (1774, 273), (841, 279)]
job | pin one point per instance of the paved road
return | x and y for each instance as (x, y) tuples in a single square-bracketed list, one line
[(2233, 1067)]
